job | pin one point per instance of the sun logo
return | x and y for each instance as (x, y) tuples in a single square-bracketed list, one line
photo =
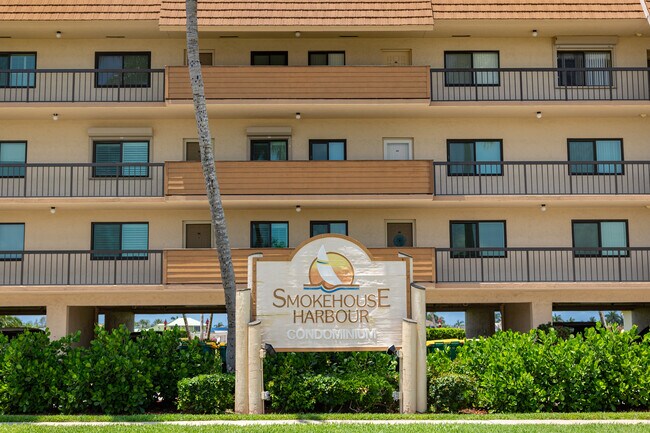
[(331, 271)]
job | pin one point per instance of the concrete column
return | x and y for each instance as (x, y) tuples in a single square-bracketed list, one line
[(479, 322), (641, 318), (523, 317), (56, 320), (255, 369), (242, 318), (419, 313), (627, 320), (408, 367), (116, 318), (82, 319)]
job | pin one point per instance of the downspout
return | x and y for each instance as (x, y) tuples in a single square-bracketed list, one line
[(644, 6)]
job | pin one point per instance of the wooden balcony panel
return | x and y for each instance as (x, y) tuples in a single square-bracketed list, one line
[(303, 82), (304, 177), (194, 266)]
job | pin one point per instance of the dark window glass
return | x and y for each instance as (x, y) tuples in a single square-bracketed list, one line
[(327, 58), (269, 235), (12, 238), (269, 58), (592, 151), (14, 155), (325, 227), (121, 152), (575, 68), (324, 150), (473, 61), (471, 152), (119, 78), (478, 234), (269, 150), (116, 239), (16, 61), (597, 236)]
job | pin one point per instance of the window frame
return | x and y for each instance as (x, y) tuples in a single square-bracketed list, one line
[(594, 142), (561, 75), (328, 142), (24, 171), (270, 228), (477, 254), (328, 52), (119, 171), (122, 54), (476, 163), (401, 221), (329, 224), (95, 256), (253, 140), (473, 69), (270, 53), (28, 86), (599, 254), (18, 255)]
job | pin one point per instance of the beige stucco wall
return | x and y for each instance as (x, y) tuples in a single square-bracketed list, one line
[(514, 52), (525, 227), (523, 139)]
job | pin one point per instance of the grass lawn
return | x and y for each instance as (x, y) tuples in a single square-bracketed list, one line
[(325, 429)]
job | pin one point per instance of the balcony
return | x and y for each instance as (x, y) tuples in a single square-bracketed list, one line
[(81, 180), (303, 178), (541, 178), (201, 266), (513, 265), (540, 84), (81, 85), (303, 82), (80, 268)]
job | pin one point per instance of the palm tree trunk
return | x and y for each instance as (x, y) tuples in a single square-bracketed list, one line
[(187, 327), (207, 337), (602, 319), (222, 241)]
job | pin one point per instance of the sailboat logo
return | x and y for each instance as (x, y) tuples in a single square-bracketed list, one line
[(331, 272)]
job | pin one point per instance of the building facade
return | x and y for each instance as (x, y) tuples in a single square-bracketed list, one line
[(503, 145)]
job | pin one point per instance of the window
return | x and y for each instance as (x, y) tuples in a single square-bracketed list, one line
[(472, 152), (269, 150), (269, 234), (327, 58), (327, 150), (12, 238), (117, 152), (115, 61), (399, 234), (9, 61), (323, 227), (472, 61), (118, 238), (478, 234), (581, 62), (595, 150), (12, 153), (597, 236), (269, 58)]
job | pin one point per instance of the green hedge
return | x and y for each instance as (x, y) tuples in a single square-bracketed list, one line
[(114, 375), (207, 393), (601, 370), (331, 382), (445, 333)]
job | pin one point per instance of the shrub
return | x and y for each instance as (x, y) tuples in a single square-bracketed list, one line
[(445, 333), (31, 372), (452, 392), (207, 393)]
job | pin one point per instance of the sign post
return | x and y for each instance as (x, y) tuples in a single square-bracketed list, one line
[(330, 294)]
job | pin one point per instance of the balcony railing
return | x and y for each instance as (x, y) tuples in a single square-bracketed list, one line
[(82, 85), (304, 177), (501, 265), (540, 84), (541, 178), (304, 82), (88, 268), (82, 180)]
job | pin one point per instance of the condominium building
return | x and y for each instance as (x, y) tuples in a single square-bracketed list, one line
[(504, 145)]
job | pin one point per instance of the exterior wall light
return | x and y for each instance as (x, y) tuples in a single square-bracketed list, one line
[(534, 33), (542, 208), (538, 115), (298, 116), (52, 210), (55, 116), (297, 34), (298, 208), (58, 35)]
